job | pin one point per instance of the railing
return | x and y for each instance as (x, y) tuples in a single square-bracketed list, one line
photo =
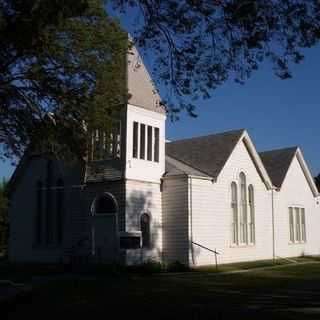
[(208, 249)]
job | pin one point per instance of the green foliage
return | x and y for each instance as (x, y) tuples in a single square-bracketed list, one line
[(62, 62), (199, 44), (61, 65), (177, 266)]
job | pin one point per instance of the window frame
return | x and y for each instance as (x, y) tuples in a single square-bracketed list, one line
[(149, 238), (234, 214), (135, 140), (142, 145), (252, 222), (243, 218), (99, 197), (299, 228)]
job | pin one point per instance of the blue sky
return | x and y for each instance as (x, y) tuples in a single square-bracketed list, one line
[(276, 113)]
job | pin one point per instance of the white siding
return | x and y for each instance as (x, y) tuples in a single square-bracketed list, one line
[(138, 169), (295, 192), (144, 197), (210, 214), (175, 219)]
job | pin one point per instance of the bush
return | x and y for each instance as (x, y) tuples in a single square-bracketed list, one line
[(177, 266)]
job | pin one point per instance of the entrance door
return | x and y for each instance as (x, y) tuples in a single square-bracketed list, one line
[(104, 228), (105, 238)]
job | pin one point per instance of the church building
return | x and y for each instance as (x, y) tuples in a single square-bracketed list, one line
[(139, 198)]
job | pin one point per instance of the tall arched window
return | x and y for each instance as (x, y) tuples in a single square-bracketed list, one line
[(59, 210), (243, 209), (105, 204), (234, 208), (39, 210), (49, 224), (145, 230), (252, 213)]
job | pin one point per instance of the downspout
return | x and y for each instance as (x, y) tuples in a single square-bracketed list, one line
[(190, 221), (273, 226)]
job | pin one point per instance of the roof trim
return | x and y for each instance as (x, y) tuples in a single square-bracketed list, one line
[(257, 160), (306, 172)]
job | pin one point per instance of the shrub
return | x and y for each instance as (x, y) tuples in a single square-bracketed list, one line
[(177, 266)]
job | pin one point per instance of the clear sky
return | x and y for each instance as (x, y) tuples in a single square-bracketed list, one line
[(276, 113)]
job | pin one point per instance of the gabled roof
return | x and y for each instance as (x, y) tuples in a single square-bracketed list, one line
[(277, 163), (176, 168), (207, 154)]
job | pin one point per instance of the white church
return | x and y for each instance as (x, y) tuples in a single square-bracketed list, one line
[(137, 197)]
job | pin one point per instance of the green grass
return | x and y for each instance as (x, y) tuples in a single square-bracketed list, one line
[(260, 294), (256, 264)]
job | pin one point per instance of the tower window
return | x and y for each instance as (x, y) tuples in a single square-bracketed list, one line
[(142, 140), (156, 144), (149, 155), (135, 140)]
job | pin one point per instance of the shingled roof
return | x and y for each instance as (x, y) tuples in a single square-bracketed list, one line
[(207, 154), (277, 163)]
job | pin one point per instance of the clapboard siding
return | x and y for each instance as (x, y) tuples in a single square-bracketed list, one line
[(144, 197), (175, 219), (295, 191), (210, 214)]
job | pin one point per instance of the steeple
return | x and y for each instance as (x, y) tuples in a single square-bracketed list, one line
[(142, 92)]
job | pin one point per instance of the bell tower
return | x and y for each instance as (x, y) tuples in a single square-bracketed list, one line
[(145, 124)]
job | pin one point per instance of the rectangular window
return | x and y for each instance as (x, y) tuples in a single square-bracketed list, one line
[(303, 226), (149, 149), (298, 230), (291, 225), (156, 144), (142, 141), (135, 140)]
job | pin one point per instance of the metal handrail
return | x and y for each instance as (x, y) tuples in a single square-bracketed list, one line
[(208, 249)]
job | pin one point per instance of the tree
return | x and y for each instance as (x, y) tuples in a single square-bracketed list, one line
[(202, 43), (317, 181), (60, 56), (3, 214), (60, 67)]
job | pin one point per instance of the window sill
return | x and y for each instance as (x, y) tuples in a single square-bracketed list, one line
[(297, 243), (243, 245)]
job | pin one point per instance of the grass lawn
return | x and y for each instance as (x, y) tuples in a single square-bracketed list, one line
[(289, 292)]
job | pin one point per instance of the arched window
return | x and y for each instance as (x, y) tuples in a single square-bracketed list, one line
[(243, 209), (234, 208), (251, 216), (49, 224), (145, 230), (105, 204), (59, 209), (39, 209)]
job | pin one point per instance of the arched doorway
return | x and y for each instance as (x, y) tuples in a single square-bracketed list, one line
[(104, 212)]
